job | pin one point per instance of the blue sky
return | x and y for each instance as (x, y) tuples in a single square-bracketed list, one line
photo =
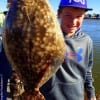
[(91, 4)]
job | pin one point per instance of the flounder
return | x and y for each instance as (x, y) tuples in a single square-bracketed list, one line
[(33, 43)]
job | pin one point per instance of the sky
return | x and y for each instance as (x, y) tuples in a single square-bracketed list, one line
[(94, 4)]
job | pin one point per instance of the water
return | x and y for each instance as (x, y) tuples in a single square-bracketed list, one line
[(92, 27)]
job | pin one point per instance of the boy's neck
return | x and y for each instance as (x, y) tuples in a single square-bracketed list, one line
[(70, 34)]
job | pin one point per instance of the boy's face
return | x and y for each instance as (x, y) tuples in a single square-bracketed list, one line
[(71, 19)]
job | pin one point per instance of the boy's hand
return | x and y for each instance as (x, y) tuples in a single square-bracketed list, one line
[(92, 99)]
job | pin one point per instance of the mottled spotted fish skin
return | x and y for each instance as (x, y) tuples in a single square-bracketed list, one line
[(33, 41)]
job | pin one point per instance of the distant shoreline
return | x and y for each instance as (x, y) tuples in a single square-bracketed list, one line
[(93, 18)]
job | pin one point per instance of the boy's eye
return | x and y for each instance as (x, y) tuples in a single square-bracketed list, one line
[(71, 16), (68, 16), (79, 16)]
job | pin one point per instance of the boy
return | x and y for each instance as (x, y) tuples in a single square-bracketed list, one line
[(75, 74)]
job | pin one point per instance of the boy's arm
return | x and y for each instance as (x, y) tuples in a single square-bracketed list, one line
[(89, 79)]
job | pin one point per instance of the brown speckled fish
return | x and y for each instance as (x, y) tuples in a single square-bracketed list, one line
[(33, 43)]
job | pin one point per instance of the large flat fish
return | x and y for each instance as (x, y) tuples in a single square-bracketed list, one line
[(33, 43)]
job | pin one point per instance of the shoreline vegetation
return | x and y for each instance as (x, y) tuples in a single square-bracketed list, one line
[(92, 16)]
